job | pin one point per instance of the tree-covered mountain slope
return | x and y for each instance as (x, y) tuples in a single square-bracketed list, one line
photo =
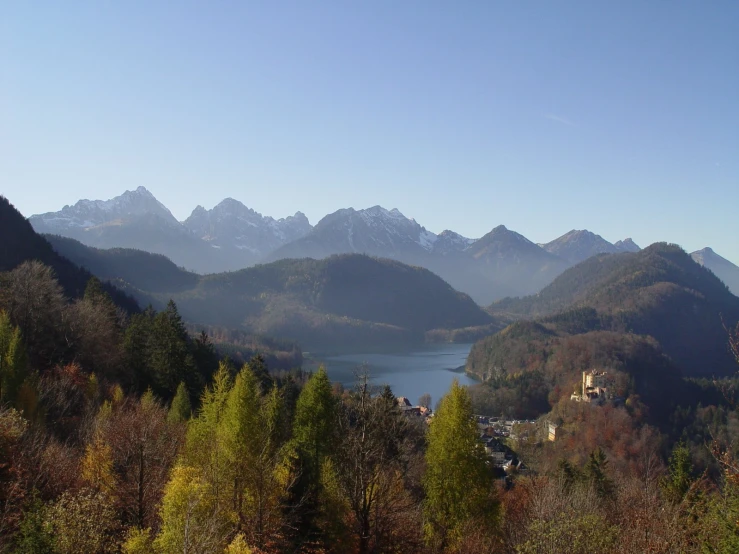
[(353, 298), (659, 292), (20, 243), (143, 270)]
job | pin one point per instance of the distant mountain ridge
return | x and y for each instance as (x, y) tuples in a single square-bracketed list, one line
[(721, 267), (232, 226), (232, 236), (578, 245)]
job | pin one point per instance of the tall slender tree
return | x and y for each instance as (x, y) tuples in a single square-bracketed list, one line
[(458, 483)]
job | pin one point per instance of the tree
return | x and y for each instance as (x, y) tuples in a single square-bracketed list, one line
[(595, 474), (35, 302), (180, 410), (315, 421), (171, 361), (84, 522), (425, 400), (370, 466), (96, 332), (193, 520), (676, 483), (314, 440), (143, 448), (458, 484), (34, 535), (136, 348), (12, 359)]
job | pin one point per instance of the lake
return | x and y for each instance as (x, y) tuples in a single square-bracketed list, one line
[(429, 369)]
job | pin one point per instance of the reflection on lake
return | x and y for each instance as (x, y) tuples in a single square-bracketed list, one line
[(411, 374)]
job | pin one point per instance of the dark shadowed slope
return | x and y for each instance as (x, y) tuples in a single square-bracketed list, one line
[(20, 243)]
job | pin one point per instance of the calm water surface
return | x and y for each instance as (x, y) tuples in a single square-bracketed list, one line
[(413, 373)]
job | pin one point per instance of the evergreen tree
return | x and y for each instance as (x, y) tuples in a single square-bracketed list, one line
[(12, 359), (314, 440), (457, 482), (676, 483), (315, 421), (595, 473), (171, 360), (180, 410), (136, 346)]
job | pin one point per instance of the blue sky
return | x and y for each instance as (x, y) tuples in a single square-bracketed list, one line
[(619, 117)]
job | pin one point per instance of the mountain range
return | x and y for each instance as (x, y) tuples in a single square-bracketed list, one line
[(231, 236)]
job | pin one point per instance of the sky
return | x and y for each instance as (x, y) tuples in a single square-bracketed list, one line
[(617, 117)]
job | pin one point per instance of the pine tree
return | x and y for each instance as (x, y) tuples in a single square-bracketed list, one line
[(170, 358), (314, 440), (12, 359), (457, 481), (595, 473), (676, 483), (315, 421), (180, 410)]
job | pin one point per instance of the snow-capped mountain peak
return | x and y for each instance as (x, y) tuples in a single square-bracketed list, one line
[(90, 213)]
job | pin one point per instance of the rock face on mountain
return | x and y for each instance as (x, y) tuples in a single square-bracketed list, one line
[(86, 214), (228, 237), (626, 245), (247, 234), (721, 267), (374, 231), (579, 245)]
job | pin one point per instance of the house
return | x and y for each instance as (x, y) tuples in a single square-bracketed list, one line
[(553, 427)]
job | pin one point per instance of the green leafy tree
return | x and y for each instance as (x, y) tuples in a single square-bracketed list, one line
[(34, 535), (457, 482)]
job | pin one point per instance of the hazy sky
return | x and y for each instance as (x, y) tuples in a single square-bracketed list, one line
[(619, 117)]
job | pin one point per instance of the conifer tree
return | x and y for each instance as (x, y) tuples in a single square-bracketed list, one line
[(314, 439), (12, 359), (170, 358), (180, 410), (595, 473), (676, 483), (315, 421), (457, 482)]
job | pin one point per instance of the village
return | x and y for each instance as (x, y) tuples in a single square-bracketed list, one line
[(493, 432)]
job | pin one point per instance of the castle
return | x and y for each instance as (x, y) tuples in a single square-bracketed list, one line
[(596, 387)]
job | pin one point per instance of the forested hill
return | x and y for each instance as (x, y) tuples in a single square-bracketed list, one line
[(338, 301), (20, 243), (660, 292), (607, 281), (143, 270)]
